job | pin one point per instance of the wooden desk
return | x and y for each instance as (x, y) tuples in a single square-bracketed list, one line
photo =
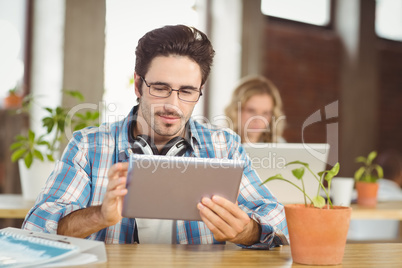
[(356, 255), (13, 206), (383, 211)]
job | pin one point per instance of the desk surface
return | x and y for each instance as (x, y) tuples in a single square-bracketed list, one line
[(13, 206), (384, 210), (356, 255)]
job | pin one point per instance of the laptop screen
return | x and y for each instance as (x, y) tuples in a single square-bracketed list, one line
[(269, 159)]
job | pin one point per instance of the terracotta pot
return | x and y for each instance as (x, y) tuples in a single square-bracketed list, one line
[(367, 193), (12, 101), (317, 236)]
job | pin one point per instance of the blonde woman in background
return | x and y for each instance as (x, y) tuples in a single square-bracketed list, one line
[(255, 111)]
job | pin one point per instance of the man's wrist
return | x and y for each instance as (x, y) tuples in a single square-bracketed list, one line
[(251, 234)]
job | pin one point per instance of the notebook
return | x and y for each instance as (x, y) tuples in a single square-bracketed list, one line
[(23, 248), (166, 187), (269, 159)]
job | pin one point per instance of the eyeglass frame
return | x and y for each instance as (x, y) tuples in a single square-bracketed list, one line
[(170, 93)]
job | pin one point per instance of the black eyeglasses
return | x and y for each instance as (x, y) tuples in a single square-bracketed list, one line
[(164, 91)]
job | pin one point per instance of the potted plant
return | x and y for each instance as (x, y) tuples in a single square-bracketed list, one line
[(13, 99), (367, 180), (317, 229), (36, 153)]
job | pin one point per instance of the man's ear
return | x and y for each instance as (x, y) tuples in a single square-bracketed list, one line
[(137, 85)]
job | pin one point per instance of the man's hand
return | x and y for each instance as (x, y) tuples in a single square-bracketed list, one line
[(228, 222), (112, 204), (84, 222)]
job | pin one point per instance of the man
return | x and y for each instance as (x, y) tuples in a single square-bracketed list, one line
[(83, 196)]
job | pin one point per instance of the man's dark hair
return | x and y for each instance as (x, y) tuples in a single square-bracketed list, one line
[(174, 40)]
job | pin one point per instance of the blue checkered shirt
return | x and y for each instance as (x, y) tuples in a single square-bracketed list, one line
[(79, 180)]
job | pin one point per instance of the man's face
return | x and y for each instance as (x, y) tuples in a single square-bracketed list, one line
[(165, 118)]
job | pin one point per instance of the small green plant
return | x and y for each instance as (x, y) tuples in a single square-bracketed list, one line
[(369, 172), (317, 201), (32, 146)]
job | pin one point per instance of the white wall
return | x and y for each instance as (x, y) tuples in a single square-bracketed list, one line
[(47, 57), (12, 36), (226, 39)]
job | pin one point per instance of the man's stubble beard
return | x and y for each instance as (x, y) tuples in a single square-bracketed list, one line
[(159, 127)]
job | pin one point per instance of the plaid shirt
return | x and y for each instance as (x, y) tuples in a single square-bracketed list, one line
[(80, 179)]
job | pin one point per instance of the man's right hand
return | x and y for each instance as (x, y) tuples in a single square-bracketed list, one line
[(112, 204), (84, 222)]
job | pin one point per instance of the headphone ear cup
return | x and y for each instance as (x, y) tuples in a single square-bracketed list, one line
[(175, 147), (143, 145)]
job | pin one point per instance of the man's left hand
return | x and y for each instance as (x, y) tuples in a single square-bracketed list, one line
[(228, 222)]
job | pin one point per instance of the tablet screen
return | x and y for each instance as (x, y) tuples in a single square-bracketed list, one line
[(166, 187)]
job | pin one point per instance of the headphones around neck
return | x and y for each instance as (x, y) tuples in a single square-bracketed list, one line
[(175, 147)]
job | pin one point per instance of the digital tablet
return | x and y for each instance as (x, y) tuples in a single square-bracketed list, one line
[(166, 187)]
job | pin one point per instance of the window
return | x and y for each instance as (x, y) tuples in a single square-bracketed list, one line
[(12, 35), (126, 22), (388, 22), (315, 12)]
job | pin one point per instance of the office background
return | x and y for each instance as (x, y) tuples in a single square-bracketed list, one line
[(341, 83)]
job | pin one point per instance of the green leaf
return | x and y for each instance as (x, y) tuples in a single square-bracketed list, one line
[(18, 154), (335, 169), (38, 155), (21, 138), (59, 110), (43, 143), (371, 157), (361, 159), (359, 173), (332, 172), (50, 110), (79, 126), (75, 94), (28, 159), (298, 172), (319, 201), (80, 115), (50, 157), (16, 145), (31, 136), (275, 177), (95, 115), (61, 124), (380, 171), (48, 122)]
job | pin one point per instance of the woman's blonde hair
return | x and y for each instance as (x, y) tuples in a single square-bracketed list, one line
[(247, 88)]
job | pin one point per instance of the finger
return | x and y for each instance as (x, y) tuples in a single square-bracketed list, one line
[(231, 207), (221, 222), (228, 222), (119, 183), (117, 170), (204, 213), (223, 213), (226, 204)]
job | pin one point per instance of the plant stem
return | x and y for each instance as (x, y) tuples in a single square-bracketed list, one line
[(52, 147), (322, 185)]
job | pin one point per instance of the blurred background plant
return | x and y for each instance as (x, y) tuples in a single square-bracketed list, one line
[(34, 146), (369, 172)]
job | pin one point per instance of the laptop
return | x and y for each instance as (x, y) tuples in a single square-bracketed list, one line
[(167, 187), (269, 159)]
